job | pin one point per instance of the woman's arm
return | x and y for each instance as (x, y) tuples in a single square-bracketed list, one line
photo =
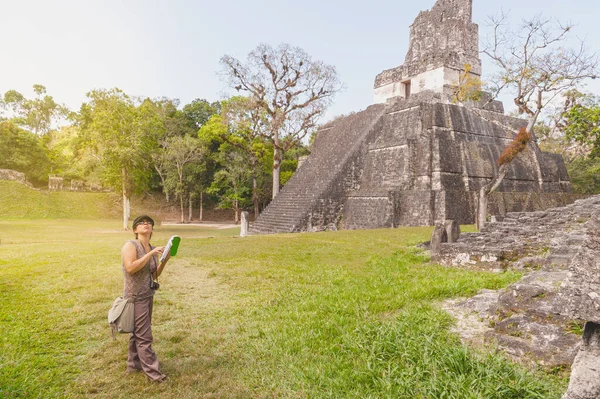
[(161, 266), (129, 255)]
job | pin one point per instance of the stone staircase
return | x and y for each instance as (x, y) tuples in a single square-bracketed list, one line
[(322, 180)]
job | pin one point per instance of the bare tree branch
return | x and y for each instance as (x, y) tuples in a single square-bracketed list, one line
[(291, 88), (535, 65)]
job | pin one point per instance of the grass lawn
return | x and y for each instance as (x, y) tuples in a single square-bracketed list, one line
[(348, 314)]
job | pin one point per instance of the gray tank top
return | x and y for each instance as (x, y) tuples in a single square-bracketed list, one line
[(138, 284)]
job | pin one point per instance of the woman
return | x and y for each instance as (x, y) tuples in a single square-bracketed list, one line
[(140, 269)]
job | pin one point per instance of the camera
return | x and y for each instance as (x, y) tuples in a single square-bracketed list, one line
[(154, 285)]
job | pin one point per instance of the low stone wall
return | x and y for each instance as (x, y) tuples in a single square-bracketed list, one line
[(56, 183), (7, 174), (13, 175)]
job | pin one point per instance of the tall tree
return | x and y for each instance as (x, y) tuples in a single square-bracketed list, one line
[(24, 152), (231, 182), (37, 114), (123, 134), (537, 66), (61, 148), (180, 153), (175, 125), (581, 122), (291, 88), (199, 111), (243, 125)]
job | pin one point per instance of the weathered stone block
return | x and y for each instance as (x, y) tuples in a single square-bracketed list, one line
[(452, 181), (436, 115), (414, 208), (388, 167), (450, 153), (478, 161), (585, 374), (244, 224), (55, 183), (458, 206), (438, 237), (452, 230), (367, 212)]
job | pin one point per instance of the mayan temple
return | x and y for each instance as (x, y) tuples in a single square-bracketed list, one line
[(415, 156)]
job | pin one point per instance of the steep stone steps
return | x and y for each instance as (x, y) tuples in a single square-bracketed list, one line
[(321, 176)]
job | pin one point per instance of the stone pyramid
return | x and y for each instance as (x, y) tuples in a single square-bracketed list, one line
[(415, 157)]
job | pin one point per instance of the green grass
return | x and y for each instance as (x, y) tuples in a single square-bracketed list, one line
[(348, 314), (18, 201)]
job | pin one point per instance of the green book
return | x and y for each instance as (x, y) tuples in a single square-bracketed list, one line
[(171, 247)]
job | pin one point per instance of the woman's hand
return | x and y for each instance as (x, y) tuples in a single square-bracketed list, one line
[(158, 251)]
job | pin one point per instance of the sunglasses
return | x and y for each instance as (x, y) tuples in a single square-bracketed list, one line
[(145, 222)]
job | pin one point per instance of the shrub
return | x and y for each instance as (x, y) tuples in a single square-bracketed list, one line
[(518, 144)]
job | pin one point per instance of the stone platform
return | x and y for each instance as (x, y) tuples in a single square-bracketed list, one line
[(541, 318)]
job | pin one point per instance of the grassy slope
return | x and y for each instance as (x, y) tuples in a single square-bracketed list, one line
[(18, 201), (327, 315)]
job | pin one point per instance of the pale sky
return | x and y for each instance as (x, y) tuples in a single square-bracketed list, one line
[(172, 48)]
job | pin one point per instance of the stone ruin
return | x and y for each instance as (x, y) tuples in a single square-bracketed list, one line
[(415, 157), (552, 316), (55, 183), (442, 41), (77, 185), (9, 174)]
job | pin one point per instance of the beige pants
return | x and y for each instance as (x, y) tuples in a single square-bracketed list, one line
[(141, 356)]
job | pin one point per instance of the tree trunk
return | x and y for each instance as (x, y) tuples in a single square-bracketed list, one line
[(181, 207), (484, 193), (181, 191), (235, 209), (125, 198), (162, 182), (276, 164), (201, 204), (482, 206), (276, 167), (534, 148), (254, 187), (190, 209), (255, 197), (125, 218)]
